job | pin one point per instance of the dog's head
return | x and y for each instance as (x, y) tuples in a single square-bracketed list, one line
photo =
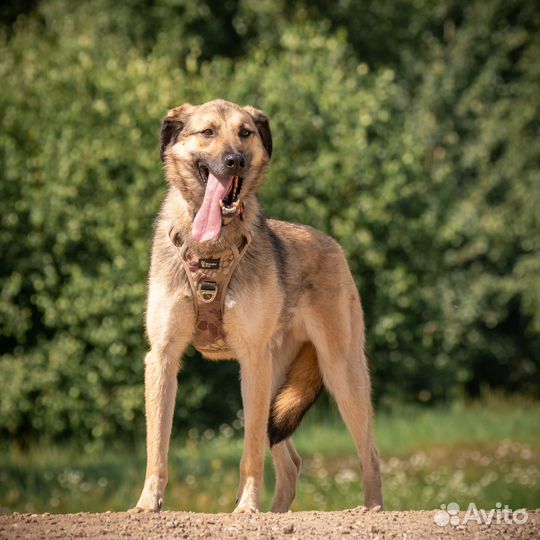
[(215, 154)]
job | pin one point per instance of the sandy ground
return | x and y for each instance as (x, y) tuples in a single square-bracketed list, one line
[(348, 524)]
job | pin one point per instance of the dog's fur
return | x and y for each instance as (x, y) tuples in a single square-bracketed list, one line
[(292, 312)]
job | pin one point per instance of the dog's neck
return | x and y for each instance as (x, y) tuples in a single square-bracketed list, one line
[(231, 233)]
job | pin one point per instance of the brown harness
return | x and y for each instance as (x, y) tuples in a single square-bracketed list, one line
[(209, 279)]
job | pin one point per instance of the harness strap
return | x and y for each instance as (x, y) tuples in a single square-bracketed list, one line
[(209, 280)]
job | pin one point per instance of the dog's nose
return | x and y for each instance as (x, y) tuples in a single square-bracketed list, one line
[(234, 162)]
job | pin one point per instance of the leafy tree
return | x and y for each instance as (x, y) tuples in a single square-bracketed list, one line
[(421, 160)]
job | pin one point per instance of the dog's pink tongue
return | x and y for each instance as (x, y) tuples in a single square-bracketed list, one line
[(207, 222)]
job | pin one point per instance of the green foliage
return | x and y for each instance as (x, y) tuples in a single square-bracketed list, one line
[(421, 161)]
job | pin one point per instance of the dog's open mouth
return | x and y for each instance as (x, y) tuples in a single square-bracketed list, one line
[(220, 204), (229, 204)]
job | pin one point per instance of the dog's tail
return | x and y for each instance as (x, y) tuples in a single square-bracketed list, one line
[(300, 390)]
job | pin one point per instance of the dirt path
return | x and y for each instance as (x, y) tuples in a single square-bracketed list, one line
[(348, 524)]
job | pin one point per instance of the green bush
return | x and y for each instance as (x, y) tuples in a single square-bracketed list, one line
[(425, 173)]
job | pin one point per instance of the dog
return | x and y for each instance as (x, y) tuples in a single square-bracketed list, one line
[(277, 297)]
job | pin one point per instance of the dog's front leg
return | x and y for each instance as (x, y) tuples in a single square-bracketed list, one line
[(169, 322), (161, 368), (256, 381)]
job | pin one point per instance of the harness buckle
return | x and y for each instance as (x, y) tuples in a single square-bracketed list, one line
[(207, 291)]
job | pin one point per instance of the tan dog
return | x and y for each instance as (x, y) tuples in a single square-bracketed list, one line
[(290, 314)]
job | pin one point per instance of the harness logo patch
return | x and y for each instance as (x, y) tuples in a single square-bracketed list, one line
[(209, 264)]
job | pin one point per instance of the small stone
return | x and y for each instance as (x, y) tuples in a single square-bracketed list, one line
[(288, 529), (376, 508)]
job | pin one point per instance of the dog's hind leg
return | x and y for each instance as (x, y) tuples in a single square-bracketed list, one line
[(339, 345), (353, 399), (287, 463)]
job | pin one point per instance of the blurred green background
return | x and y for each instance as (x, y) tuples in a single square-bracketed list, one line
[(406, 129)]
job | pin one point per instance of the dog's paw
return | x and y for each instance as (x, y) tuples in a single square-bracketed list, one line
[(145, 509), (148, 502), (246, 509), (136, 510), (247, 506), (151, 499)]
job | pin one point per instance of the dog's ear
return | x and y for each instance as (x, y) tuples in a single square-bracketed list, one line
[(263, 127), (173, 124)]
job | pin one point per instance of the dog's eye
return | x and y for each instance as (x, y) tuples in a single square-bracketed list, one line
[(244, 133), (208, 132)]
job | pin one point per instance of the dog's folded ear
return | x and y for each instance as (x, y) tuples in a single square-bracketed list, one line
[(263, 127), (173, 124)]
